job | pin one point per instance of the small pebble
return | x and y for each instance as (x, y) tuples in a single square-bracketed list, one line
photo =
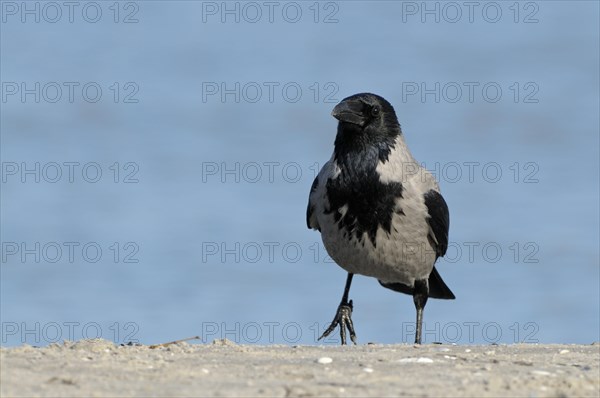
[(564, 351), (468, 350), (223, 342), (368, 370), (416, 360), (324, 360), (540, 373)]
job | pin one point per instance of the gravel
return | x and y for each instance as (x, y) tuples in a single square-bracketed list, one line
[(100, 368)]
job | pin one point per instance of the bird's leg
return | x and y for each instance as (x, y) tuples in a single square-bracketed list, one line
[(343, 316), (420, 295)]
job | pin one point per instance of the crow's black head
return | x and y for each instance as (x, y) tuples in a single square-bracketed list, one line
[(366, 121)]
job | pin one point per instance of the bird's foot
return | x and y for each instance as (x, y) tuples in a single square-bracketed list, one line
[(343, 318)]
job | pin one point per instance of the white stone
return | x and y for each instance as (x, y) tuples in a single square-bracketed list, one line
[(416, 360), (540, 373)]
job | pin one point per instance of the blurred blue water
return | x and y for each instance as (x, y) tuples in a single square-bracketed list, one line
[(203, 240)]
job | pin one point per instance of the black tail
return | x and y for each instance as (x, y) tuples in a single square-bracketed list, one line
[(437, 287)]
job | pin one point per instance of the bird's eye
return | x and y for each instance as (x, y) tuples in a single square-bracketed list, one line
[(375, 111)]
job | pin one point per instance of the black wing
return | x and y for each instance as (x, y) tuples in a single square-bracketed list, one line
[(439, 221), (310, 208)]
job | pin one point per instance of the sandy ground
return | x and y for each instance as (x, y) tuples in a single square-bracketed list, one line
[(100, 368)]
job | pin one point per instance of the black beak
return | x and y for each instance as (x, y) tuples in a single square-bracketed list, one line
[(349, 112)]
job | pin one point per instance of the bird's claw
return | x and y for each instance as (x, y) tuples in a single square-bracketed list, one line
[(343, 318)]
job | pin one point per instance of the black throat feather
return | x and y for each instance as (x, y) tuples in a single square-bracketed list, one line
[(370, 203)]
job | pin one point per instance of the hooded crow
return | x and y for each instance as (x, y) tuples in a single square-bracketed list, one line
[(379, 212)]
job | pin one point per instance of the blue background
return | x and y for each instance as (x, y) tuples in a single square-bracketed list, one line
[(202, 239)]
